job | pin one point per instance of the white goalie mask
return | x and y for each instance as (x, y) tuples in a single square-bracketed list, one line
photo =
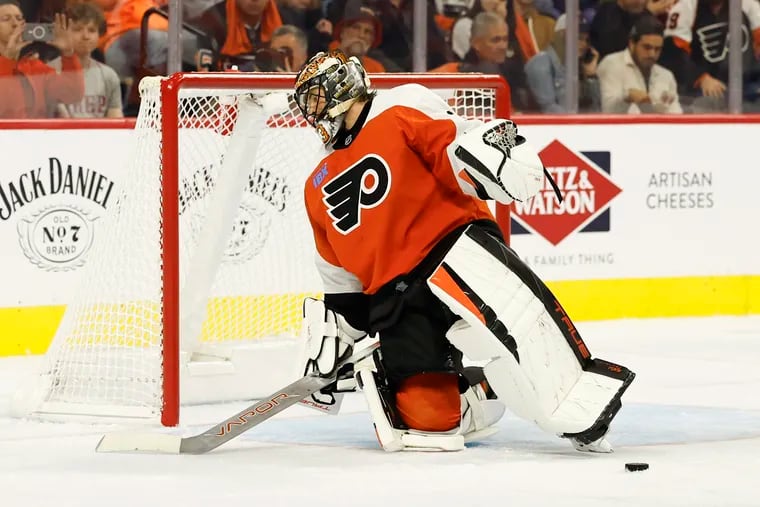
[(326, 87)]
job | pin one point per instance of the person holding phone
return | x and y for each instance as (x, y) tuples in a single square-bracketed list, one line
[(545, 72), (102, 90), (490, 52), (27, 84), (293, 42)]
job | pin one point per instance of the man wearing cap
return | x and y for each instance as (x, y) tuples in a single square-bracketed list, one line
[(358, 32)]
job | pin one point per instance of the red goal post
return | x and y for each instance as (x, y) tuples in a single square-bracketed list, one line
[(165, 294)]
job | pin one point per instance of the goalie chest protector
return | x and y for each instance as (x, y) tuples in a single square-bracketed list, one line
[(385, 193)]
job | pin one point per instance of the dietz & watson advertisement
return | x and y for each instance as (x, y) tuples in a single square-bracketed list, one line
[(639, 201)]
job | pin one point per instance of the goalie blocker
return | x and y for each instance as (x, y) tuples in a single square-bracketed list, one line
[(539, 366)]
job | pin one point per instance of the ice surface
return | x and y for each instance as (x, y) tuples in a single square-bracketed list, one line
[(693, 414)]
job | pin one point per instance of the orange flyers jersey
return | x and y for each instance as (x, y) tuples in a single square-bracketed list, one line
[(380, 201), (711, 30)]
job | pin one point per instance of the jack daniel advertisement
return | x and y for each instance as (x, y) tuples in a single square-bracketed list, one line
[(56, 206), (56, 189)]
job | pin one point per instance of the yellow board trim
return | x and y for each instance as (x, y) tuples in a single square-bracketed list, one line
[(29, 330), (696, 296)]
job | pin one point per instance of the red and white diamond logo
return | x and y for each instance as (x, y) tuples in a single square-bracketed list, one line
[(586, 188)]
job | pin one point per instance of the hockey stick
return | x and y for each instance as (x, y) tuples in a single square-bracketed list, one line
[(229, 428)]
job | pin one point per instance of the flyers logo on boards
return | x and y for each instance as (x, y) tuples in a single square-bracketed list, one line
[(583, 178)]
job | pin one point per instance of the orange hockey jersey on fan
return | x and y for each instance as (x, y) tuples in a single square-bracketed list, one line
[(382, 198)]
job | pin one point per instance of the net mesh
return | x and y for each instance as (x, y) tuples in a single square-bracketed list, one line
[(106, 357)]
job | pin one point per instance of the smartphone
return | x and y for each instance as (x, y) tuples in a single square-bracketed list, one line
[(37, 32)]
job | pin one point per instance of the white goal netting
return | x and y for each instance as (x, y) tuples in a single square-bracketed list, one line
[(243, 262)]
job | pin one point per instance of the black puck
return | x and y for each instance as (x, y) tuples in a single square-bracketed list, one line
[(636, 467)]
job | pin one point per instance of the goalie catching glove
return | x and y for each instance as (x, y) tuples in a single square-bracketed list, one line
[(494, 162), (329, 340)]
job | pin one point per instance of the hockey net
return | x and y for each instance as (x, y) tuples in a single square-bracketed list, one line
[(196, 282)]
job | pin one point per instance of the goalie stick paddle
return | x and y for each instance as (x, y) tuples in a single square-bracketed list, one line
[(230, 428)]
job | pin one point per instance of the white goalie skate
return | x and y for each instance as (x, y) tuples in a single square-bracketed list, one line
[(601, 445)]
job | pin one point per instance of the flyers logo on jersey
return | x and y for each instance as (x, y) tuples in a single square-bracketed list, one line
[(363, 185), (713, 40)]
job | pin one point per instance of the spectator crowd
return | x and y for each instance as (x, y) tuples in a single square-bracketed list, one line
[(84, 58)]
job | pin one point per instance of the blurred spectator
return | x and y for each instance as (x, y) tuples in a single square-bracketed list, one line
[(448, 11), (193, 9), (47, 9), (357, 33), (660, 8), (308, 16), (121, 42), (460, 32), (555, 8), (613, 22), (631, 80), (240, 27), (551, 8), (545, 73), (521, 44), (540, 26), (488, 55), (291, 40), (520, 47), (395, 51), (29, 86), (696, 49), (453, 8), (398, 39), (102, 91)]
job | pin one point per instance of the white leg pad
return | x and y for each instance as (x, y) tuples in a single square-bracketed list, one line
[(534, 369), (572, 411)]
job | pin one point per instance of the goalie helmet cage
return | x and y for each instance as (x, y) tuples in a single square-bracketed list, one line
[(201, 267)]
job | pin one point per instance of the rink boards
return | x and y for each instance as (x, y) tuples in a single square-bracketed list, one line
[(658, 218)]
